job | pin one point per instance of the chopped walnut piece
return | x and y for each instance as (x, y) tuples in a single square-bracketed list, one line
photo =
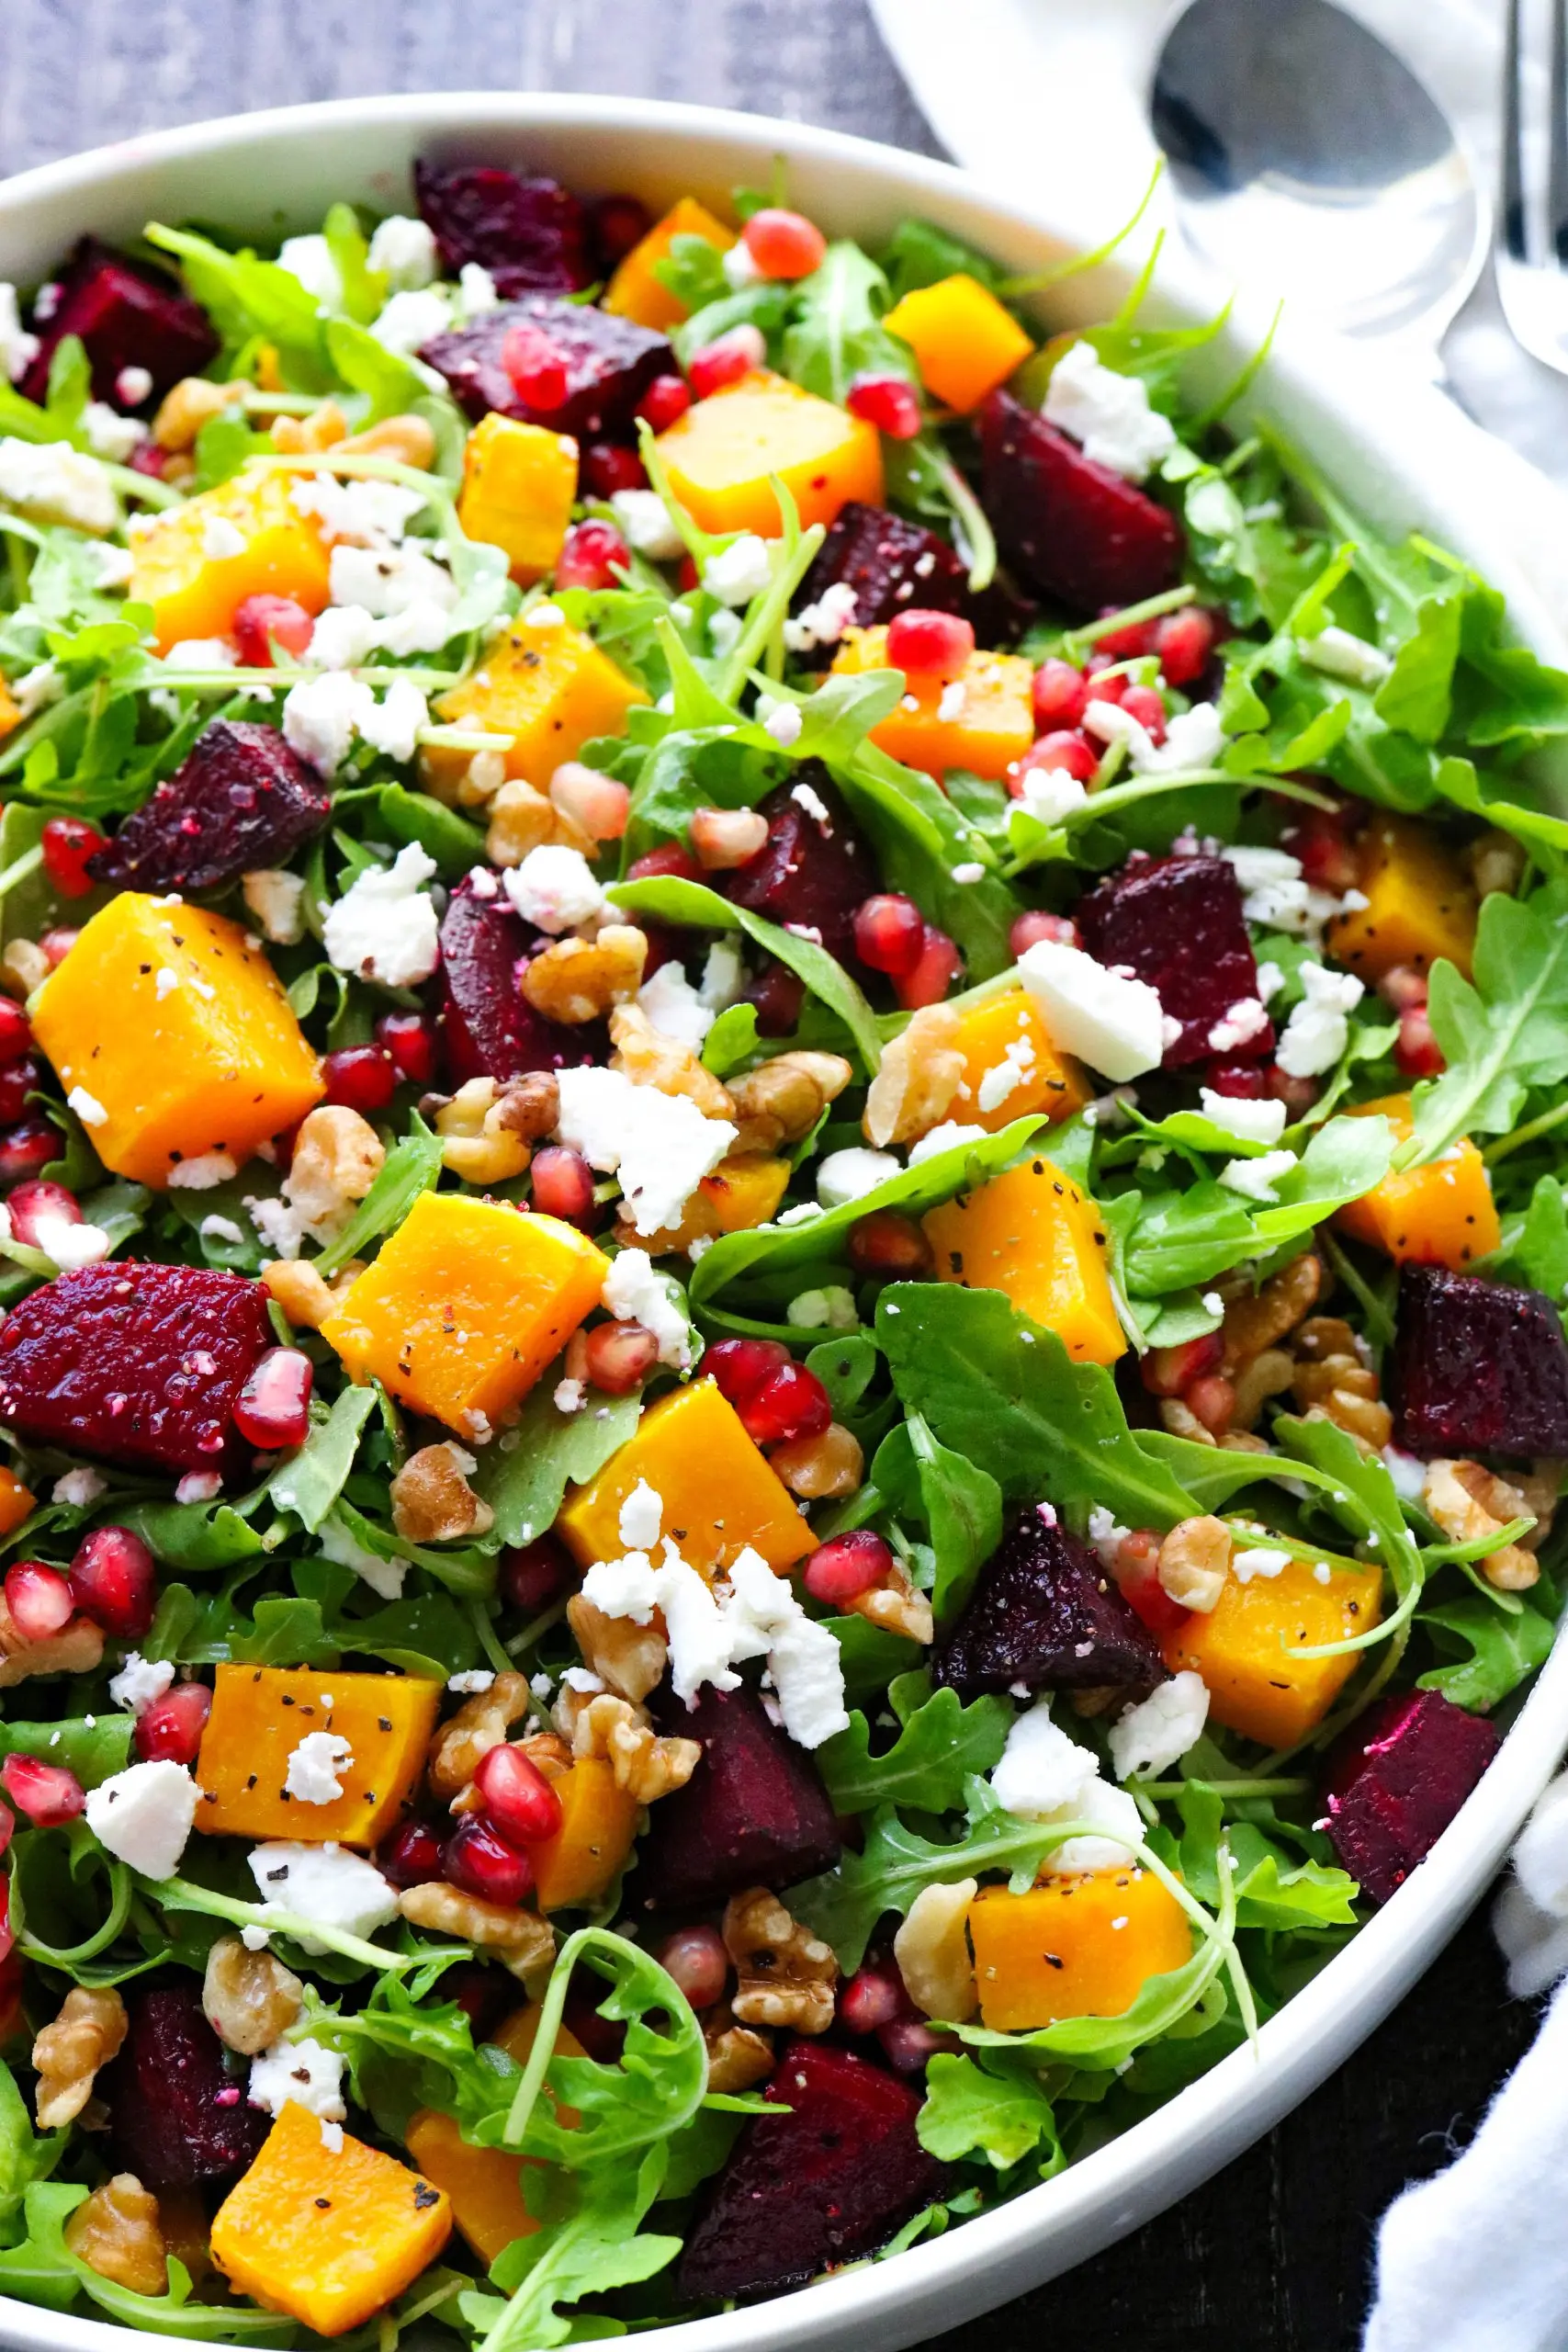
[(647, 1767), (409, 440), (476, 1143), (337, 1156), (522, 818), (77, 1648), (116, 2232), (649, 1058), (921, 1071), (528, 1107), (1469, 1503), (931, 1949), (816, 1467), (629, 1657), (739, 2056), (480, 1723), (1269, 1374), (896, 1607), (1194, 1561), (67, 2054), (782, 1100), (1495, 861), (787, 1974), (304, 1297), (1182, 1421), (520, 1940), (432, 1500), (1254, 1323), (249, 1997), (188, 406), (323, 429), (575, 980)]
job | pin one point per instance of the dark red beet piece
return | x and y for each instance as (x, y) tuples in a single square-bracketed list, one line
[(801, 2192), (609, 363), (1397, 1781), (1177, 923), (1074, 529), (126, 316), (1046, 1614), (133, 1363), (1479, 1368), (810, 873), (173, 2113), (754, 1812), (891, 563), (242, 798), (492, 1030), (525, 231)]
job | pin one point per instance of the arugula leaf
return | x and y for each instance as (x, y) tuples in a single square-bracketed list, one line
[(1536, 1246), (1181, 1239), (93, 1747), (918, 836), (525, 1482), (836, 332), (589, 2238), (919, 254), (928, 1765), (1272, 1889), (1502, 1650), (870, 1656), (959, 1502), (1363, 1498), (411, 1168), (246, 297), (310, 1482), (1003, 2115), (1506, 1032), (43, 2270), (454, 844), (193, 1538)]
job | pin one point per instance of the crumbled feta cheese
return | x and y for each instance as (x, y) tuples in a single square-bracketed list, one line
[(55, 483), (386, 580), (392, 725), (298, 2073), (1148, 1739), (822, 623), (202, 1171), (724, 632), (1005, 1077), (411, 319), (220, 539), (724, 977), (554, 889), (1042, 1770), (1270, 980), (322, 1884), (139, 1681), (807, 796), (277, 902), (1050, 793), (79, 1489), (313, 1768), (43, 684), (764, 1618), (335, 1541), (18, 349), (698, 1631), (740, 571), (1339, 654), (87, 1107), (1115, 1024), (833, 1308), (477, 292), (321, 716), (740, 267), (202, 1485), (782, 722), (850, 1174), (111, 436), (1409, 1475), (220, 1228), (1276, 893), (422, 626), (1248, 1122), (1258, 1560), (310, 259), (641, 1517), (571, 1396), (345, 635), (145, 1815), (201, 654), (1109, 415), (470, 1682), (70, 1245), (659, 1145), (675, 1007), (634, 1293), (373, 514), (945, 1138), (643, 522), (1246, 1020), (405, 251), (385, 925), (970, 871), (1259, 1178), (1319, 1030), (132, 386), (1106, 1533)]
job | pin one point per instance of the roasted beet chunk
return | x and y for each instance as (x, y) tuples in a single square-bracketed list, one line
[(126, 316), (133, 1363), (831, 2179), (177, 2115), (609, 363), (890, 564), (1072, 528), (812, 872), (241, 798), (1177, 923), (1397, 1782), (1046, 1614), (1479, 1368), (754, 1812), (526, 232), (492, 1031)]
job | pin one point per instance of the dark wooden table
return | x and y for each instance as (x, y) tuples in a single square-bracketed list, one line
[(1273, 2255)]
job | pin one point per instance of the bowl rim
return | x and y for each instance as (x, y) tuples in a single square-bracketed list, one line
[(996, 2255)]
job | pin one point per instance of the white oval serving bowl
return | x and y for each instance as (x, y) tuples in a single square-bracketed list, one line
[(1401, 458)]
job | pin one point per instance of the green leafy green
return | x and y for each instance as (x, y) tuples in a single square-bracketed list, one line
[(312, 1480), (1494, 1649), (412, 1167), (960, 1503), (1506, 1032), (986, 2108), (524, 1472), (929, 1763), (590, 2239)]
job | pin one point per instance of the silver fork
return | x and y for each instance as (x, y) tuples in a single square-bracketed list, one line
[(1531, 253)]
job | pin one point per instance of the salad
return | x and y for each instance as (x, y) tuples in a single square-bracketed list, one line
[(781, 1368)]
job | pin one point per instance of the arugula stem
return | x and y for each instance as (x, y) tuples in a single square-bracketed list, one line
[(488, 1638), (184, 1894), (1504, 1148), (970, 518), (1039, 281), (1285, 1787), (1130, 617), (20, 868)]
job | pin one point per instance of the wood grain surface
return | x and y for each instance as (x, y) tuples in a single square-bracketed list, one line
[(1273, 2254)]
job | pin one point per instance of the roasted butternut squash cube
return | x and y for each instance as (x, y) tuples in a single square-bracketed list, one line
[(550, 689), (718, 1491), (16, 1502), (1011, 1067), (484, 2185), (330, 2236), (720, 454), (579, 1865), (519, 481), (10, 713), (174, 1037), (464, 1305), (743, 1191), (988, 733), (1420, 905), (179, 566), (1073, 1947), (1242, 1648), (1440, 1214), (1033, 1236), (964, 342), (635, 291), (260, 1716)]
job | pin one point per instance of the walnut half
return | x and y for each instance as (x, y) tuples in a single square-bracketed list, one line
[(787, 1974), (85, 2036)]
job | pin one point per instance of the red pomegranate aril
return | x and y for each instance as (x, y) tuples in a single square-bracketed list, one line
[(1415, 1050), (726, 360), (940, 965), (620, 1356), (114, 1581), (67, 843), (47, 1793), (535, 1575), (1318, 837), (608, 466), (361, 1078), (908, 2043), (737, 1366), (1211, 1399), (16, 1032), (890, 402), (1184, 642), (1035, 924), (1106, 681), (17, 1080), (519, 1802), (1060, 696), (1125, 644), (1147, 707), (409, 1855), (618, 222), (1149, 1601), (26, 1148), (478, 1859), (148, 458), (930, 645), (39, 1600), (887, 1243), (169, 1731), (1404, 988), (890, 932), (776, 995), (264, 621), (1063, 748), (598, 803), (873, 1999), (725, 839), (847, 1565), (784, 243), (272, 1408), (537, 366), (1240, 1082), (57, 943), (696, 1958), (593, 555), (689, 578), (667, 398), (1166, 1372), (563, 1184), (1297, 1095), (7, 1830), (413, 1043), (670, 858)]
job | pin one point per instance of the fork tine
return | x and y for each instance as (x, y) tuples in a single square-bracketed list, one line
[(1514, 226), (1557, 181)]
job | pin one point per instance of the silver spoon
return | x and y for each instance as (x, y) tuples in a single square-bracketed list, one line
[(1305, 155)]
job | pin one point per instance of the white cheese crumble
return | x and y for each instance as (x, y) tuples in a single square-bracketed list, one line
[(79, 1489), (1106, 1533), (300, 2074), (1276, 894), (571, 1396), (807, 796), (276, 904), (109, 435), (405, 251), (314, 1766), (1114, 1024), (634, 1293), (1005, 1077), (385, 926), (1109, 415), (1246, 1020), (335, 1541), (675, 1007), (1319, 1030), (1258, 1560), (411, 319), (220, 539), (145, 1815), (1339, 654), (70, 1245), (724, 977), (661, 1146), (343, 636), (139, 1681), (470, 1682), (822, 623), (764, 1618), (740, 571), (1257, 1179), (476, 291), (784, 722), (643, 522), (310, 259), (55, 483), (1248, 1121), (202, 1171), (87, 1107), (224, 1229), (554, 889), (850, 1174), (1049, 795), (1148, 1739), (945, 1138), (373, 514), (322, 1884), (1045, 1775), (18, 349), (641, 1517)]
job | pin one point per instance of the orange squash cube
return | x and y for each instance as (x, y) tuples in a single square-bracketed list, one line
[(10, 715), (1073, 1947), (1420, 904), (16, 1501), (743, 1191), (1242, 1648), (464, 1305), (579, 1865), (635, 291), (484, 2185), (964, 342), (718, 1490), (1440, 1214), (1033, 1236), (550, 689), (211, 1060), (990, 733), (260, 1714), (1011, 1068), (196, 594), (720, 454), (519, 481), (330, 2236)]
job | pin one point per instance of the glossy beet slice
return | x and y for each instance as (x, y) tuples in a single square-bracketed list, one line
[(609, 364), (241, 798), (126, 316), (804, 2191), (178, 2116), (526, 231), (1397, 1782), (1479, 1367), (133, 1363), (1071, 529), (492, 1029), (812, 872), (1045, 1613), (891, 564), (753, 1814), (1177, 923)]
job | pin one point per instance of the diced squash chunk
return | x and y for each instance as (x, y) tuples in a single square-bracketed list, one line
[(1419, 903), (964, 342), (1242, 1648), (1440, 1214), (485, 2185), (16, 1502), (519, 481), (991, 730), (743, 1191), (10, 712), (1081, 1947), (720, 1493), (635, 291), (178, 1033), (195, 592), (1011, 1068), (720, 454), (1033, 1235), (598, 1824), (550, 690), (464, 1305), (328, 2235), (259, 1716)]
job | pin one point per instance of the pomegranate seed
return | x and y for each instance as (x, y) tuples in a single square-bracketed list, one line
[(737, 1366), (1123, 644), (890, 932), (17, 1080), (668, 858), (1213, 1400), (873, 1996), (890, 402), (39, 1600), (1166, 1371), (563, 1184), (409, 1855), (26, 1148), (67, 843), (777, 995), (620, 1356), (1184, 642), (909, 2044), (479, 1860), (597, 803), (607, 467), (847, 1565), (1060, 695), (57, 944), (1143, 704), (725, 838), (1415, 1050), (688, 577), (619, 222), (726, 360), (1030, 928), (114, 1581), (1149, 1599), (886, 1243), (536, 366), (273, 1407), (361, 1078), (929, 982), (47, 1793), (7, 1829), (413, 1043), (1404, 988), (1328, 858), (148, 458), (783, 243), (1241, 1081), (930, 645), (263, 621), (519, 1802), (1064, 749), (170, 1730), (534, 1576), (666, 397), (1297, 1095), (696, 1958), (593, 555), (16, 1032)]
